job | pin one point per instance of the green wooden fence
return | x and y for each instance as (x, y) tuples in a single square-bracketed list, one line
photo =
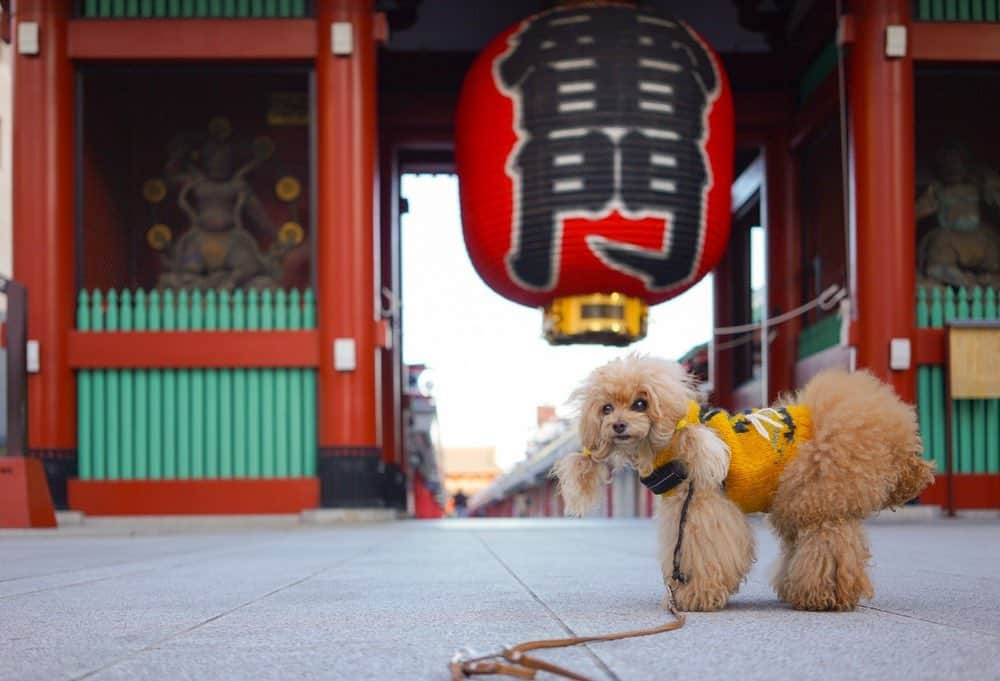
[(194, 9), (957, 10), (976, 423), (820, 336), (196, 423)]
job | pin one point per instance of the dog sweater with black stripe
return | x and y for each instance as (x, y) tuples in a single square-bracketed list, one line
[(761, 442)]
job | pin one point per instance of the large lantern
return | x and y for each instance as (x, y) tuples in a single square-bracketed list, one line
[(594, 147)]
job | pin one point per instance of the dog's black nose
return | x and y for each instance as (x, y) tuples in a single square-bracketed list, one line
[(619, 427)]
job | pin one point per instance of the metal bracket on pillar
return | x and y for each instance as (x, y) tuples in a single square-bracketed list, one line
[(845, 30), (380, 28)]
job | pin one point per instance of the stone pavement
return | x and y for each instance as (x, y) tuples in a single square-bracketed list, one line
[(393, 600)]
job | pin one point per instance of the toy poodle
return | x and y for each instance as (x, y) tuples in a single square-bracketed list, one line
[(843, 448)]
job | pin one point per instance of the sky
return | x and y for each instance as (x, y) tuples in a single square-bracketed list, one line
[(490, 366)]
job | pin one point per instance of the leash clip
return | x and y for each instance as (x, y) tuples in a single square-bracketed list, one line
[(671, 605), (466, 654)]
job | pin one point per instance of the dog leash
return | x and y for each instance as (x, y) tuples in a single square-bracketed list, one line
[(678, 575), (512, 661)]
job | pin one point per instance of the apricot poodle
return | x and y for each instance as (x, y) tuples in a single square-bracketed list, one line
[(843, 448)]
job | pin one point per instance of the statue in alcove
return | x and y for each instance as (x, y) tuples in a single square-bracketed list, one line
[(219, 250), (963, 249)]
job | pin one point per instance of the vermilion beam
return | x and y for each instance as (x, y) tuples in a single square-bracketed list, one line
[(193, 497), (192, 39), (955, 41), (186, 350)]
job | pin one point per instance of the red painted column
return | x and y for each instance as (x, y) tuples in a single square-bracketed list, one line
[(880, 95), (723, 290), (43, 210), (784, 263), (346, 180)]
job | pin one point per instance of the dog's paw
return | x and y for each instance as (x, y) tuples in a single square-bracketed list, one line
[(690, 598)]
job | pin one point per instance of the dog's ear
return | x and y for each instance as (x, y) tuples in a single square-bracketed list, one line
[(587, 401), (581, 482), (590, 426), (669, 389), (704, 452)]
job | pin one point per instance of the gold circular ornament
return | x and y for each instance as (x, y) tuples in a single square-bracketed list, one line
[(154, 190), (159, 236), (287, 188), (263, 148), (220, 128), (291, 233)]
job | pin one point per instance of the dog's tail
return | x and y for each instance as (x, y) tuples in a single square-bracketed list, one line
[(915, 474), (867, 439)]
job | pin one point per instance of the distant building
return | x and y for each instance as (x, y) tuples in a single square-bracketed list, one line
[(468, 469)]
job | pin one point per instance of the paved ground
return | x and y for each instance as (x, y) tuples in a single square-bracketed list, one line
[(392, 601)]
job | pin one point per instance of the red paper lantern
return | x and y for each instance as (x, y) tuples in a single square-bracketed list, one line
[(594, 147)]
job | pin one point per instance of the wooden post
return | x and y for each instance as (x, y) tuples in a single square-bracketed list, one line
[(784, 264), (43, 211), (880, 94), (345, 125), (723, 290)]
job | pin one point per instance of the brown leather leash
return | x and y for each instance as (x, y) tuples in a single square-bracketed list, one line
[(511, 660)]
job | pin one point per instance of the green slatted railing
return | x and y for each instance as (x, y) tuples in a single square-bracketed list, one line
[(160, 424), (976, 423), (194, 9), (820, 336), (957, 10)]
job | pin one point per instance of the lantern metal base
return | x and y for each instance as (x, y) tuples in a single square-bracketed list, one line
[(596, 319)]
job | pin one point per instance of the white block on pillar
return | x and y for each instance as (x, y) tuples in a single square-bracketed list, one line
[(27, 38), (899, 354), (344, 354), (32, 357), (342, 38)]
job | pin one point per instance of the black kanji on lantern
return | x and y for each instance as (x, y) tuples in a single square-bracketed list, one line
[(610, 113)]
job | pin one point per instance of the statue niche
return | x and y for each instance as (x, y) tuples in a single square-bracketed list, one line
[(963, 249), (218, 251)]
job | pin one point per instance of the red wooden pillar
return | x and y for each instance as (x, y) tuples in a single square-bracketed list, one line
[(723, 292), (346, 180), (43, 230), (880, 92), (784, 263)]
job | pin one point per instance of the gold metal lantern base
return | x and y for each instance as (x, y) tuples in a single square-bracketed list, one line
[(596, 319)]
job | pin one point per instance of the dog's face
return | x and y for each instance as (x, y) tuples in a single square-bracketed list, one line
[(629, 411), (625, 420), (630, 407)]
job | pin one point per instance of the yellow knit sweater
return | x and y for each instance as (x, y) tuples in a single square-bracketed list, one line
[(762, 443)]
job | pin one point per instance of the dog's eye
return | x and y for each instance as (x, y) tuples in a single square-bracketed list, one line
[(640, 405), (607, 409)]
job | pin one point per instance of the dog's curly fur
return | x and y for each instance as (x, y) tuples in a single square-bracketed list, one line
[(864, 456)]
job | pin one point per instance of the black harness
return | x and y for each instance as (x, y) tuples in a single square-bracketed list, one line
[(666, 477)]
